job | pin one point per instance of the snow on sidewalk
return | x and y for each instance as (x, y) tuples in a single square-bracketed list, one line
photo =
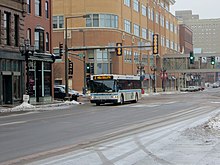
[(28, 107)]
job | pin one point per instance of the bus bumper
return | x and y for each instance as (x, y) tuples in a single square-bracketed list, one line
[(114, 101)]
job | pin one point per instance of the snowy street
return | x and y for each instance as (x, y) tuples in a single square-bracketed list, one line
[(192, 138), (192, 142)]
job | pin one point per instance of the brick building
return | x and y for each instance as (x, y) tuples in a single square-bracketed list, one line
[(38, 30), (22, 21), (11, 61), (130, 22)]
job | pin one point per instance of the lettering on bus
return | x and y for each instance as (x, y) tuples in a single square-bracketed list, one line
[(103, 77)]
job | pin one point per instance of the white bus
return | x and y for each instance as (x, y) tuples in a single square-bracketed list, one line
[(116, 89)]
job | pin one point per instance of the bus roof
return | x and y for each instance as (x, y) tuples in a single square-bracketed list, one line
[(114, 77)]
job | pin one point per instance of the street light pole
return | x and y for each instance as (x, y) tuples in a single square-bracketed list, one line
[(66, 53), (26, 50)]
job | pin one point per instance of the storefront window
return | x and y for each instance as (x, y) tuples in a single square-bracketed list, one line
[(47, 66), (8, 65), (47, 83), (15, 66)]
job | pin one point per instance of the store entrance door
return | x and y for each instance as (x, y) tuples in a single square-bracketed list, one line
[(7, 89)]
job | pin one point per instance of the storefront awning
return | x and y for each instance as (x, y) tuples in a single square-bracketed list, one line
[(46, 57)]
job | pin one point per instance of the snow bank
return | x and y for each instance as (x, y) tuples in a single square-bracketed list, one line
[(214, 123)]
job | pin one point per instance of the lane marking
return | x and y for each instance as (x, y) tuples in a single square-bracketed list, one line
[(12, 123), (21, 114)]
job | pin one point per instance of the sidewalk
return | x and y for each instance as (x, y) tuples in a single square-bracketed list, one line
[(27, 107)]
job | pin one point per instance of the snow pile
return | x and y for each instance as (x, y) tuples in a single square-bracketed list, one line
[(28, 107), (72, 102), (214, 123), (208, 131), (23, 107)]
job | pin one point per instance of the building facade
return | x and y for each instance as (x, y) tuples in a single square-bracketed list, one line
[(22, 21), (11, 62), (186, 39), (206, 40), (130, 22), (38, 31), (206, 32)]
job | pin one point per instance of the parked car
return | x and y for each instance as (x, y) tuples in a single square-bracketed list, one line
[(60, 93), (70, 90), (215, 85), (193, 88), (190, 89)]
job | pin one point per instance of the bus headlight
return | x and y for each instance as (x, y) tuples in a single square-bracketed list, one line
[(115, 96)]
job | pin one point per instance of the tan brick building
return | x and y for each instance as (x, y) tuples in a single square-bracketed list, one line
[(130, 22)]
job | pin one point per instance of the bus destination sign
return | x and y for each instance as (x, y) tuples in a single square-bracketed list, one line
[(102, 77)]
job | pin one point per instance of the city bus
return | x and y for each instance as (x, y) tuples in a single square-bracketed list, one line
[(116, 89)]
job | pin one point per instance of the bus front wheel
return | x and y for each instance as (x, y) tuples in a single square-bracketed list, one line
[(97, 104)]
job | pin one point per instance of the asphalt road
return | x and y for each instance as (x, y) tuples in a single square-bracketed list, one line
[(43, 133)]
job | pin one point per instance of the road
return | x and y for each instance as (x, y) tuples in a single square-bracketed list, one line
[(36, 135)]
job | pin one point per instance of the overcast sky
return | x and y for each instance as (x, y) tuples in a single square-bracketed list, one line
[(204, 8)]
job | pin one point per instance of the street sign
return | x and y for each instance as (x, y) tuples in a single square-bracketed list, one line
[(204, 59)]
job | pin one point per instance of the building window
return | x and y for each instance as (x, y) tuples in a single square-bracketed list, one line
[(7, 18), (152, 14), (175, 29), (58, 22), (167, 43), (47, 9), (39, 41), (157, 18), (149, 13), (136, 5), (127, 55), (47, 42), (136, 30), (144, 10), (127, 3), (136, 57), (162, 21), (144, 33), (28, 6), (38, 8), (29, 35), (171, 27), (102, 20), (127, 26), (16, 28), (167, 25)]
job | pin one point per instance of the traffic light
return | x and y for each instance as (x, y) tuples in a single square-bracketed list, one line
[(70, 71), (61, 49), (191, 57), (213, 60), (88, 68), (118, 49), (155, 44), (92, 68)]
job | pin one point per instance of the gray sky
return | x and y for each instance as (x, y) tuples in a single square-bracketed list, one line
[(204, 8)]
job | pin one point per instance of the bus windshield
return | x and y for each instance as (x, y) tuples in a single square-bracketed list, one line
[(99, 86)]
